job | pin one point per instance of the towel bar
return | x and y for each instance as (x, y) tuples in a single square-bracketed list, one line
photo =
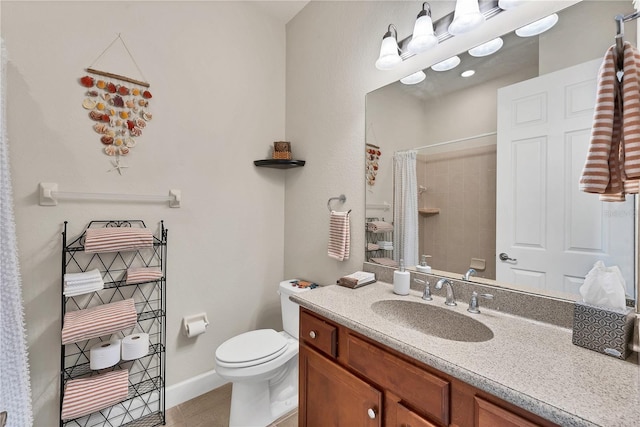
[(342, 198), (49, 195)]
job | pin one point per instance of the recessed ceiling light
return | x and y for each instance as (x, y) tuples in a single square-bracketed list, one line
[(538, 27), (447, 64), (486, 49), (468, 73), (414, 78)]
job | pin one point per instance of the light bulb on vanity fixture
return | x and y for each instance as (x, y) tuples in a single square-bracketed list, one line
[(389, 50), (466, 17), (486, 49), (414, 78), (424, 38), (508, 4), (538, 27), (447, 64)]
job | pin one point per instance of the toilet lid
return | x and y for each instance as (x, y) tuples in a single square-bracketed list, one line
[(252, 348)]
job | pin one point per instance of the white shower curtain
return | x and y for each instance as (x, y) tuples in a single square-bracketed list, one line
[(405, 207), (15, 389)]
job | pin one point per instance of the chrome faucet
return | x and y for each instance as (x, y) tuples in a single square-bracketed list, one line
[(426, 295), (451, 299), (470, 272), (474, 306)]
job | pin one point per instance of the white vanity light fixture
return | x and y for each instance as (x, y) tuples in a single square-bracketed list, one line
[(447, 64), (424, 37), (389, 50), (488, 48), (466, 17), (538, 27), (414, 78), (468, 73)]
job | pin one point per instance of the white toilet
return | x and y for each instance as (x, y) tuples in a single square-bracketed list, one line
[(263, 367)]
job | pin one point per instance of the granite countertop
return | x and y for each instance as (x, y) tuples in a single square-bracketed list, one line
[(530, 364)]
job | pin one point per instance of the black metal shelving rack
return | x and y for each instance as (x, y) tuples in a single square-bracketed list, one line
[(145, 402)]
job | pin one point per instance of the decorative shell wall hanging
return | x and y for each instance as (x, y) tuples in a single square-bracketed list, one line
[(119, 108), (372, 153)]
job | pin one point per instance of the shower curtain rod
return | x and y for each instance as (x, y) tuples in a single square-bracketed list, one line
[(468, 138)]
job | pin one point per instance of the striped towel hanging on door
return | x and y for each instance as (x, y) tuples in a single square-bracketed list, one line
[(339, 235)]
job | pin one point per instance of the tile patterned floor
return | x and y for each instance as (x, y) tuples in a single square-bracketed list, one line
[(212, 410)]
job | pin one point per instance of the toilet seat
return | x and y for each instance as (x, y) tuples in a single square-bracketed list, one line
[(251, 348)]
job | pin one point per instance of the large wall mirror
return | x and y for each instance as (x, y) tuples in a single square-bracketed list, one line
[(498, 156)]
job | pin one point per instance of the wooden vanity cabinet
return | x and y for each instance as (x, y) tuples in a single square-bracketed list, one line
[(348, 380), (332, 396)]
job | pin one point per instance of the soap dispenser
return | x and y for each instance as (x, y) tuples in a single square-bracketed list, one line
[(423, 267), (401, 280)]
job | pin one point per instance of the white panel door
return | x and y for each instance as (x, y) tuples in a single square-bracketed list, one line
[(553, 232)]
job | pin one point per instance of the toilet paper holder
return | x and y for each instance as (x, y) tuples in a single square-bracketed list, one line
[(193, 320)]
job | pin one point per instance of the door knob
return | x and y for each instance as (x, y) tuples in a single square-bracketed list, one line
[(313, 335), (505, 257), (372, 413)]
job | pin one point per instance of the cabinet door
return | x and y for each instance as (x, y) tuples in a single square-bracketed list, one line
[(489, 415), (332, 397), (408, 418)]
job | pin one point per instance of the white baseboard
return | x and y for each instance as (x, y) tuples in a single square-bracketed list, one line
[(191, 388)]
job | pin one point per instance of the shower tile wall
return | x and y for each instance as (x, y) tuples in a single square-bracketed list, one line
[(462, 185)]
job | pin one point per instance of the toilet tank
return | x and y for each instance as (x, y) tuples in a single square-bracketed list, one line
[(290, 310)]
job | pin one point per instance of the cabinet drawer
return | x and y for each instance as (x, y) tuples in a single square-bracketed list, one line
[(318, 334), (422, 390), (488, 414)]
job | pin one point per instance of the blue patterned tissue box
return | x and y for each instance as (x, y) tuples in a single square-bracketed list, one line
[(603, 329)]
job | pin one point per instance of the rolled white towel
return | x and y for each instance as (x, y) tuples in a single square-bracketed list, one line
[(84, 277)]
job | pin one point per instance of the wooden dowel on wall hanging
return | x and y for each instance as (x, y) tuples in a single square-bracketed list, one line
[(117, 76)]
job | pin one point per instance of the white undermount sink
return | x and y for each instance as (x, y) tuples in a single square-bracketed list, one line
[(432, 320)]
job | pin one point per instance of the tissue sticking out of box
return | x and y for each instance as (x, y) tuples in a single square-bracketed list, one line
[(604, 286)]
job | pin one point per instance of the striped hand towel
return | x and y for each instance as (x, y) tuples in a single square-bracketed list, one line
[(98, 321), (84, 396), (143, 274), (613, 161), (339, 235), (115, 239)]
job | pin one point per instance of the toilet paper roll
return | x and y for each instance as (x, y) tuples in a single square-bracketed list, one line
[(135, 346), (104, 354), (196, 328)]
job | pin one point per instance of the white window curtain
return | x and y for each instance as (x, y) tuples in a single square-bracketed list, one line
[(405, 207), (15, 389)]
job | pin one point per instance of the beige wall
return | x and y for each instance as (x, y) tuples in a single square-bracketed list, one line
[(217, 74)]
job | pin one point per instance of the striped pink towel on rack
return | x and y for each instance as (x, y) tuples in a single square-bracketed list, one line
[(143, 274), (114, 239), (379, 227), (84, 396), (339, 235), (98, 321)]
